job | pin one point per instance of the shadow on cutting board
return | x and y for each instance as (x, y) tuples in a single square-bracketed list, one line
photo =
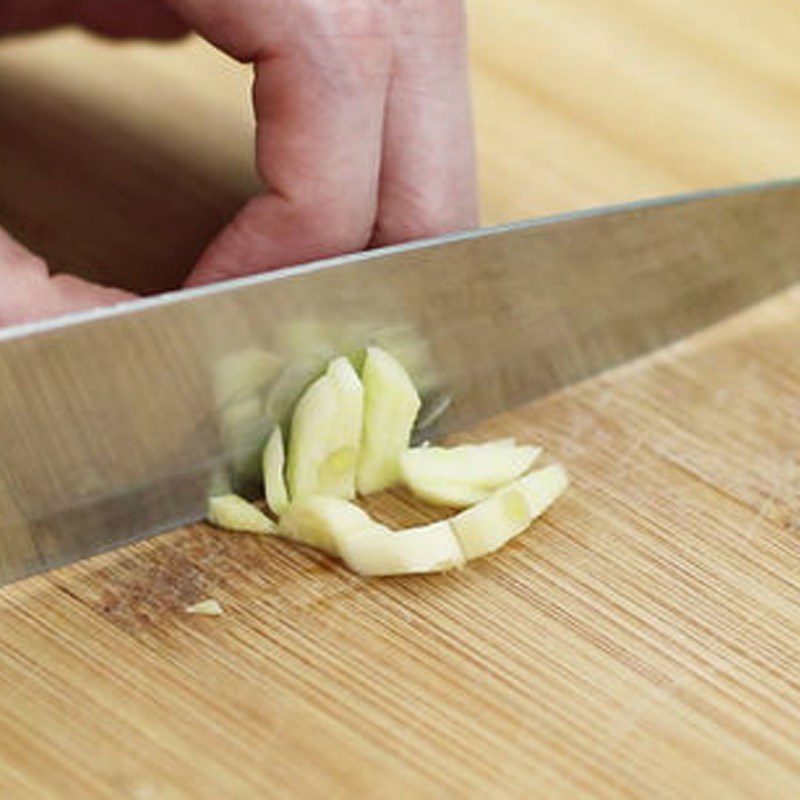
[(98, 199)]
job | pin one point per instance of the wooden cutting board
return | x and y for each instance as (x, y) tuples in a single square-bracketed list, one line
[(643, 641)]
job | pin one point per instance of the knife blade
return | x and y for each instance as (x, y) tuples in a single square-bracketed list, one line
[(115, 424)]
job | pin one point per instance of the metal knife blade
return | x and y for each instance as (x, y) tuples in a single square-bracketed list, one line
[(115, 424)]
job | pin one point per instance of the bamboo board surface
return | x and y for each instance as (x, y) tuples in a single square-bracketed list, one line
[(640, 642)]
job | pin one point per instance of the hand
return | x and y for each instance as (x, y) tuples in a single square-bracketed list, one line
[(363, 129)]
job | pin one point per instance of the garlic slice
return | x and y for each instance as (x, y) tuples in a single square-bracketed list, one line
[(234, 513), (273, 466), (493, 522), (342, 529), (324, 522), (205, 608), (380, 552), (452, 495), (391, 404), (460, 476), (325, 436)]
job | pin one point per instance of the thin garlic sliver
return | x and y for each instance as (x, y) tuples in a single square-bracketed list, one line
[(391, 404), (234, 513), (273, 466), (493, 522), (325, 435), (463, 475), (205, 608)]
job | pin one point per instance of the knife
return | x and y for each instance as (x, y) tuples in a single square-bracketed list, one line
[(116, 424)]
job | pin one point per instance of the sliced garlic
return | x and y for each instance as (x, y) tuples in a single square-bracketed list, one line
[(391, 404), (324, 522), (377, 551), (493, 522), (325, 436), (205, 608), (543, 487), (274, 462), (452, 495), (460, 476), (342, 529), (234, 513)]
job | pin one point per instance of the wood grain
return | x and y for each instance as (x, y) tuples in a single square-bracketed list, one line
[(640, 642)]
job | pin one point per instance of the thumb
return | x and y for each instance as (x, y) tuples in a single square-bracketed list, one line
[(28, 292)]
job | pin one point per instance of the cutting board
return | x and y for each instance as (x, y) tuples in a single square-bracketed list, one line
[(641, 641)]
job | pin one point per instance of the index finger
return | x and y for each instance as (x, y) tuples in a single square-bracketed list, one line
[(322, 72), (428, 182)]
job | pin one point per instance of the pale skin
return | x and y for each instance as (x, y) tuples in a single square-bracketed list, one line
[(363, 130)]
